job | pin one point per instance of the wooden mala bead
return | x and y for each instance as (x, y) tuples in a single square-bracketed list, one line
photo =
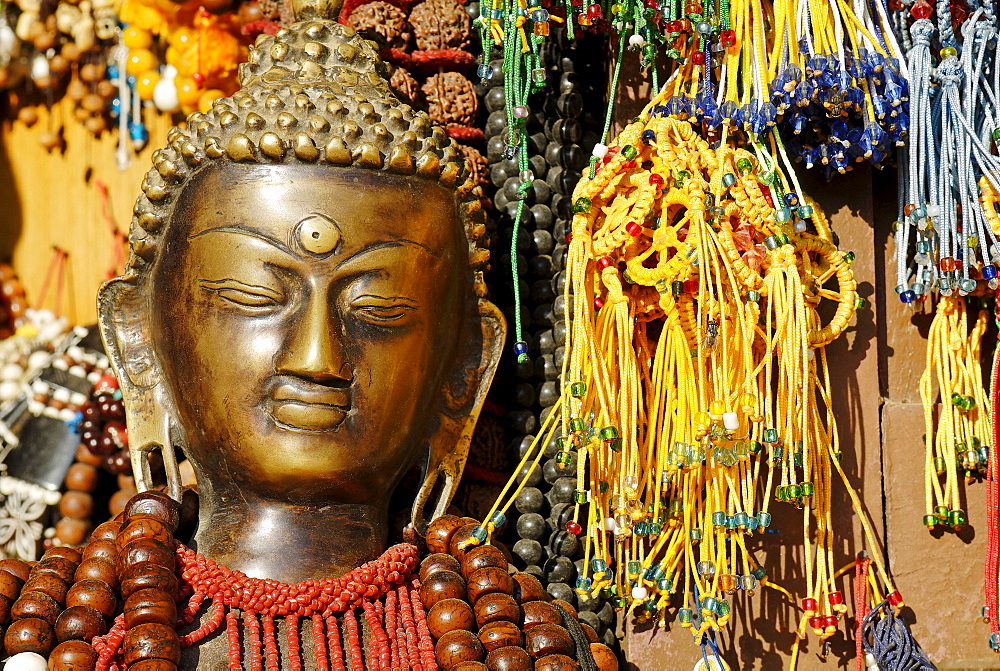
[(529, 588), (509, 658), (106, 531), (440, 531), (438, 562), (548, 639), (566, 606), (500, 634), (604, 657), (100, 548), (589, 632), (97, 568), (155, 504), (10, 585), (94, 594), (148, 575), (31, 634), (143, 526), (5, 607), (47, 583), (496, 607), (78, 505), (462, 534), (458, 646), (80, 623), (556, 663), (441, 585), (150, 606), (70, 554), (482, 557), (489, 580), (151, 641), (60, 567), (73, 656), (540, 612), (469, 666), (448, 615), (146, 550), (153, 665), (16, 568), (72, 531), (82, 477), (36, 605)]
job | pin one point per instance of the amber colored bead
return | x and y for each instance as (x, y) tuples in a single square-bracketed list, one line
[(73, 656), (98, 568), (589, 632), (540, 612), (458, 646), (441, 585), (567, 606), (60, 567), (47, 583), (500, 634), (72, 531), (85, 456), (120, 499), (482, 557), (149, 605), (79, 505), (495, 607), (438, 562), (151, 641), (36, 605), (153, 665), (489, 580), (154, 503), (146, 550), (5, 606), (93, 593), (556, 663), (147, 575), (102, 548), (81, 478), (449, 615), (439, 533), (547, 639), (509, 658), (144, 526), (70, 554), (529, 588), (80, 623), (16, 568), (604, 657), (31, 634), (10, 585), (106, 531)]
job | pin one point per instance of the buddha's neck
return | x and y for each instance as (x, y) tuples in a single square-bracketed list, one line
[(280, 541)]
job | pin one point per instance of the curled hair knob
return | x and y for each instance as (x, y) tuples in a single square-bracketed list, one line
[(317, 9)]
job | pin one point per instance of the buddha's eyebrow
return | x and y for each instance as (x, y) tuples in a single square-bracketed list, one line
[(246, 231), (388, 244)]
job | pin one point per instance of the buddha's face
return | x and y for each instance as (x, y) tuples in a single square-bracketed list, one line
[(305, 318)]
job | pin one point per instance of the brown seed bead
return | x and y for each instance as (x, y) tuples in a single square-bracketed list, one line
[(102, 548), (98, 568), (603, 657), (150, 605), (151, 641), (147, 575), (143, 526), (461, 534), (78, 505), (71, 531), (16, 568), (458, 646), (500, 634), (47, 584), (529, 588), (489, 580), (556, 663), (154, 503), (547, 639), (5, 606), (438, 562), (10, 585), (80, 623), (106, 531), (540, 612), (83, 454), (73, 656), (153, 665), (448, 615), (30, 635), (71, 554), (469, 666), (439, 533), (120, 499), (496, 607), (36, 605), (509, 658), (93, 593), (146, 550), (567, 606), (481, 557), (441, 585), (82, 477), (589, 632), (60, 567)]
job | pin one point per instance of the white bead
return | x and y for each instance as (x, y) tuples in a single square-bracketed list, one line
[(730, 421), (169, 72), (639, 593), (636, 41), (933, 210), (8, 40), (77, 399), (9, 390), (67, 415), (38, 359), (93, 376), (609, 524), (600, 150), (11, 371), (39, 387), (26, 661), (800, 227), (870, 659), (39, 67), (61, 394), (78, 371), (165, 96)]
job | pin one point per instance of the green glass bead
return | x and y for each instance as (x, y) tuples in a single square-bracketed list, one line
[(577, 424), (579, 496), (996, 133), (731, 522), (808, 489), (770, 436), (753, 296), (620, 602), (629, 152), (685, 616), (728, 179), (653, 529), (722, 608), (805, 211), (779, 452), (741, 519), (615, 445), (939, 465), (780, 493), (650, 606), (578, 389), (755, 448), (695, 535), (766, 178), (479, 533), (930, 520), (782, 214), (848, 257), (719, 519), (664, 585), (941, 512), (609, 433), (957, 518), (860, 303), (564, 458), (582, 204), (709, 603), (784, 239), (956, 400), (760, 573), (583, 585), (744, 165), (603, 486), (794, 491), (772, 242), (633, 567), (764, 519)]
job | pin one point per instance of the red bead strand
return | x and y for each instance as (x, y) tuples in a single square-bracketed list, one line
[(271, 644), (353, 641), (294, 644), (426, 641), (336, 650), (392, 627), (256, 645), (409, 627), (319, 643), (233, 634)]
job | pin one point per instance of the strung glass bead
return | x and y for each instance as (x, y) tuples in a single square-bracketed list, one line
[(705, 568), (485, 71), (520, 112), (582, 204), (764, 519), (695, 535)]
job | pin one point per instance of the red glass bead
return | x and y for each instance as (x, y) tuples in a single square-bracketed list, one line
[(830, 621), (673, 26), (921, 10), (728, 38), (836, 598), (698, 58), (895, 598), (809, 604), (656, 180), (569, 238), (598, 303), (958, 14), (691, 286), (766, 190), (576, 3), (651, 4), (594, 12), (628, 165), (634, 229), (947, 264), (574, 527), (816, 622), (604, 262)]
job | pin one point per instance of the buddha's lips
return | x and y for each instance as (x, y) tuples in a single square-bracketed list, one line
[(300, 404)]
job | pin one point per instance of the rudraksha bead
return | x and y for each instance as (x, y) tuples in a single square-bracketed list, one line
[(556, 663), (106, 531), (73, 656), (589, 632), (489, 580), (101, 548), (60, 567), (36, 605), (458, 646), (449, 615), (151, 641), (441, 585), (509, 658), (143, 526), (438, 562), (463, 533), (70, 554), (149, 605), (547, 639), (5, 607), (30, 634), (500, 634), (495, 607), (95, 594), (482, 557), (80, 623), (440, 531)]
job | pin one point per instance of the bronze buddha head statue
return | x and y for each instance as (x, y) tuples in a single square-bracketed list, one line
[(303, 311)]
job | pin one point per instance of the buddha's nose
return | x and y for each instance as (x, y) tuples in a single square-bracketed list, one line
[(314, 350)]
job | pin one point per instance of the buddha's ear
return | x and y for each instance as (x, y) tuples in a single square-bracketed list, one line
[(463, 394), (123, 316)]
